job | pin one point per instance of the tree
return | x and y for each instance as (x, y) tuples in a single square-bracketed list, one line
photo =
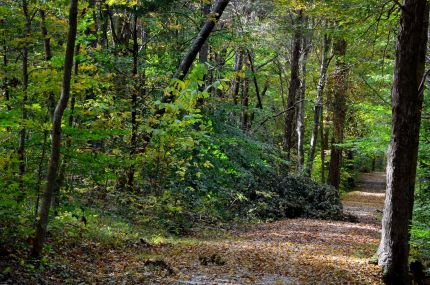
[(402, 154), (24, 116), (300, 129), (325, 61), (294, 83), (339, 90), (56, 132)]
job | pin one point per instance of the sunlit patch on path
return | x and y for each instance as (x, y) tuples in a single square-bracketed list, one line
[(296, 251)]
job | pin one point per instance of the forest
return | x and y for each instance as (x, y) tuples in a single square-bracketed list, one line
[(214, 142)]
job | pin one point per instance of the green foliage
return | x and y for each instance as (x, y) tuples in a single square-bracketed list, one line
[(420, 232), (192, 164)]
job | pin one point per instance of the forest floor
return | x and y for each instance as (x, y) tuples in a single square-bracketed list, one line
[(294, 251)]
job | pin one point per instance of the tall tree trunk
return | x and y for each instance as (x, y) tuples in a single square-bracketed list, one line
[(244, 113), (403, 150), (197, 44), (24, 115), (300, 129), (254, 79), (323, 145), (191, 55), (104, 18), (46, 38), (48, 56), (6, 83), (93, 29), (73, 97), (238, 63), (294, 84), (325, 61), (281, 83), (202, 37), (56, 133), (135, 92), (219, 67), (50, 115), (204, 51), (340, 88)]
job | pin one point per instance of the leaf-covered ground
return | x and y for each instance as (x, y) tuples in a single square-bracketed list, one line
[(295, 251)]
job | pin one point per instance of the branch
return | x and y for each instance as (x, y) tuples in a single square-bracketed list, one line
[(277, 115), (421, 87)]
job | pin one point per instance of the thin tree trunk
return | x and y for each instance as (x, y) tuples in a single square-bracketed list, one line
[(39, 173), (325, 61), (46, 38), (133, 143), (104, 18), (407, 101), (94, 29), (204, 51), (301, 102), (244, 113), (73, 98), (48, 56), (294, 85), (51, 106), (24, 115), (281, 83), (56, 133), (340, 88), (197, 44), (6, 83), (238, 63), (323, 145), (254, 79), (202, 37)]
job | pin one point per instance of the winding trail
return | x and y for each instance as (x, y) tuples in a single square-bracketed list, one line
[(295, 251)]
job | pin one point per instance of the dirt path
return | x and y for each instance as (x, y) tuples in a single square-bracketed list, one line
[(296, 251)]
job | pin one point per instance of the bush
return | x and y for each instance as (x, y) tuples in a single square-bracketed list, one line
[(299, 197)]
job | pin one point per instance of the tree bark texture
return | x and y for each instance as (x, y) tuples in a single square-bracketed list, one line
[(238, 63), (339, 90), (204, 51), (56, 133), (254, 79), (294, 85), (300, 128), (403, 150), (202, 37), (24, 114), (244, 113), (325, 61), (134, 95)]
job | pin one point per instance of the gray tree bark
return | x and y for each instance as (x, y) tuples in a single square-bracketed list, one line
[(325, 61), (56, 133), (407, 100), (300, 125), (340, 88), (294, 84)]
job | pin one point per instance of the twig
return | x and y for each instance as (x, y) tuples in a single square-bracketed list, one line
[(278, 114), (421, 87)]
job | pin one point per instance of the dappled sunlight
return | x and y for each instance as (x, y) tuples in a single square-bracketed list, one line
[(293, 251), (305, 250)]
